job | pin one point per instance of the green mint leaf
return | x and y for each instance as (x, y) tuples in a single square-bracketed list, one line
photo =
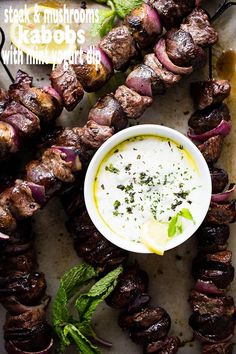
[(87, 303), (83, 344), (106, 21), (124, 7), (185, 213), (172, 226), (69, 284)]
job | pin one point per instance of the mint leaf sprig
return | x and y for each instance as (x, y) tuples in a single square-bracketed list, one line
[(79, 330), (176, 222)]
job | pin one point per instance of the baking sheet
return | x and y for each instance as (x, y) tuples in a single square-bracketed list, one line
[(170, 276)]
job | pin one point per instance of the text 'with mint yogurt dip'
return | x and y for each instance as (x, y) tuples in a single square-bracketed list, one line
[(148, 180)]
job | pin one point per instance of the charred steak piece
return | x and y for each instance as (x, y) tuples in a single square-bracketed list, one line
[(221, 213), (221, 273), (131, 284), (209, 118), (119, 46), (38, 101), (212, 238), (218, 327), (93, 135), (207, 93), (219, 348), (65, 82), (219, 180), (107, 111), (169, 345), (198, 25), (131, 102), (158, 330), (144, 24), (211, 149), (172, 12), (92, 246), (204, 304), (21, 118), (167, 78)]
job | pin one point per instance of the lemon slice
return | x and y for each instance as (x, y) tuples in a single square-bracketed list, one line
[(154, 235), (47, 53)]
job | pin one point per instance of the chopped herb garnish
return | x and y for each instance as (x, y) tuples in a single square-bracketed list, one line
[(128, 167), (180, 147), (112, 169), (138, 157), (102, 186), (116, 204)]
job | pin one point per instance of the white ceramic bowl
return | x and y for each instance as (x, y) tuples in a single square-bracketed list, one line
[(146, 129)]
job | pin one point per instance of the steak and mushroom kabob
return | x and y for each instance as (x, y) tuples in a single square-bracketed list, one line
[(123, 43), (24, 111), (25, 108), (59, 164), (214, 315), (147, 325)]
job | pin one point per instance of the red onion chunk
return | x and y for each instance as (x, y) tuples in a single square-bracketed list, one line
[(51, 91), (3, 237), (140, 80), (154, 20), (71, 155), (224, 196), (105, 61), (162, 56), (38, 192), (223, 129), (12, 349), (207, 287)]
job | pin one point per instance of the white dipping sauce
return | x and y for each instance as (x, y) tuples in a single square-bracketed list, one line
[(145, 178)]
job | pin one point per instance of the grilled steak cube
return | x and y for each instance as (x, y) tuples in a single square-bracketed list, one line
[(204, 304), (107, 111), (21, 118), (219, 272), (133, 104), (131, 283), (168, 78), (144, 24), (198, 25), (169, 345), (221, 213), (207, 93), (212, 238), (219, 180), (119, 46), (218, 348), (22, 203), (209, 118), (211, 149), (93, 135), (213, 326), (41, 103), (65, 82), (42, 174), (172, 12)]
